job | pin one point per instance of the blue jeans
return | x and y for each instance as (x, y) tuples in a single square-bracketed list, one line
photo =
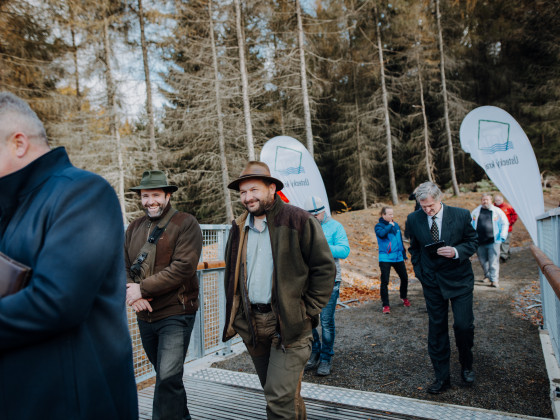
[(489, 257), (166, 343), (327, 328)]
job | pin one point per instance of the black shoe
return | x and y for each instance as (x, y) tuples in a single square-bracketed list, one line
[(468, 376), (438, 386), (313, 362)]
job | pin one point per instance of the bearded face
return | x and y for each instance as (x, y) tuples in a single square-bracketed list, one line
[(154, 202), (256, 196)]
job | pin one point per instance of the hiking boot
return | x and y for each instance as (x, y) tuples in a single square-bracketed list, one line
[(324, 368), (495, 284), (386, 309), (313, 362), (406, 302)]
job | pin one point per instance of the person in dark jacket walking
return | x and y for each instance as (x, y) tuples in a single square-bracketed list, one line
[(391, 254), (442, 240), (162, 288), (279, 275), (65, 350)]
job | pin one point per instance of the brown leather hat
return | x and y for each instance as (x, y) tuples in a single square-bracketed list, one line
[(255, 169)]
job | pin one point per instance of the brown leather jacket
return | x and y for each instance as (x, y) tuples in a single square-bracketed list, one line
[(173, 287)]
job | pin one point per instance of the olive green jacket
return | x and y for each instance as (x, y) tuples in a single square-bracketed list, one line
[(303, 273)]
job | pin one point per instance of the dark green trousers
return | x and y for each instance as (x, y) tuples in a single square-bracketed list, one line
[(280, 370)]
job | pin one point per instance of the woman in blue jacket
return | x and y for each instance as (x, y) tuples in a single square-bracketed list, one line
[(391, 254)]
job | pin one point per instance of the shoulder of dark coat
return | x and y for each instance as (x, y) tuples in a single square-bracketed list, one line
[(71, 173), (458, 210), (70, 179), (291, 216), (183, 218)]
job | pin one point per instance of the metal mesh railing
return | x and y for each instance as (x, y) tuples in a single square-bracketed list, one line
[(206, 337), (548, 228)]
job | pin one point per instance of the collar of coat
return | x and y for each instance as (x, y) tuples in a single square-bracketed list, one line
[(21, 183), (33, 175)]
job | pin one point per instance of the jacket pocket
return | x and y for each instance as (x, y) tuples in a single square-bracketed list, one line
[(181, 295)]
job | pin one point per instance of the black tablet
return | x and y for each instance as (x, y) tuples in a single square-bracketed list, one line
[(432, 248)]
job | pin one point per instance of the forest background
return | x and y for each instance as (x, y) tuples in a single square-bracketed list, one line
[(375, 89)]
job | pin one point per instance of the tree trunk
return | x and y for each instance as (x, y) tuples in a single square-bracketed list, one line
[(221, 137), (244, 83), (359, 149), (74, 52), (149, 105), (428, 160), (303, 72), (113, 119), (445, 104), (392, 182)]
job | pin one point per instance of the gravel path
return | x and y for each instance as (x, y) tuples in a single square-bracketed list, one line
[(388, 353)]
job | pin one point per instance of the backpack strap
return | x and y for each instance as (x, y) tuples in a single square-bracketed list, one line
[(143, 265), (161, 226)]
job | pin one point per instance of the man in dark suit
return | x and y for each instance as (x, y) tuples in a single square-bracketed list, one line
[(446, 275)]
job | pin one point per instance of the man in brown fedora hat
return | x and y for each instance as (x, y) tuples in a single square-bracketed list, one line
[(162, 250), (279, 275)]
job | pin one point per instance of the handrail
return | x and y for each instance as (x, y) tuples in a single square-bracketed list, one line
[(548, 268), (207, 265)]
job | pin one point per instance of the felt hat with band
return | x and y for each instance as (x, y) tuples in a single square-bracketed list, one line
[(152, 180), (255, 169)]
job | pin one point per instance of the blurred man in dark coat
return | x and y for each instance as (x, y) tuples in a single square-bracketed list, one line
[(65, 350), (446, 276)]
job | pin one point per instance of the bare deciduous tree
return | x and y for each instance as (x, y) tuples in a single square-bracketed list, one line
[(221, 136), (446, 104), (149, 105), (244, 82), (392, 182), (303, 75)]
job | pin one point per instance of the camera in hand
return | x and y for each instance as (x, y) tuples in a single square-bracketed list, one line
[(136, 267)]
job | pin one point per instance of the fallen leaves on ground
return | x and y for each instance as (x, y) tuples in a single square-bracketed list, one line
[(527, 303)]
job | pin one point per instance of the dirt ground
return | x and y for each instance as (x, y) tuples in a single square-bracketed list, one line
[(388, 353)]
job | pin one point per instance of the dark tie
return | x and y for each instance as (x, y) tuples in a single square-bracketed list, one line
[(434, 230)]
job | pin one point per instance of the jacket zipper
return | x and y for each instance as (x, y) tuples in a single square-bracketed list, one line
[(274, 302), (147, 236)]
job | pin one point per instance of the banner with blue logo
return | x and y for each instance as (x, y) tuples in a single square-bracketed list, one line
[(500, 146), (290, 162)]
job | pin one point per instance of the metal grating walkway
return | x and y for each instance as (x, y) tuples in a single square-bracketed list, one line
[(216, 394)]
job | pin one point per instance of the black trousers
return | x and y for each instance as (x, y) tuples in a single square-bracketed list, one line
[(438, 331), (385, 268)]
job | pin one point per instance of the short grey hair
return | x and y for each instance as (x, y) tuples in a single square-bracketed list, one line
[(428, 189), (12, 104)]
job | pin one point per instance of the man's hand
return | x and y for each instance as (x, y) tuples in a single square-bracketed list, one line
[(133, 293), (142, 305), (446, 251)]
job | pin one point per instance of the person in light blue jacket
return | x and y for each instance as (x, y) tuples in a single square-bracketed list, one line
[(391, 254), (321, 354)]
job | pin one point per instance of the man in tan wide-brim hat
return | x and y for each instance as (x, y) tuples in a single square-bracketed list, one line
[(280, 270), (163, 288)]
